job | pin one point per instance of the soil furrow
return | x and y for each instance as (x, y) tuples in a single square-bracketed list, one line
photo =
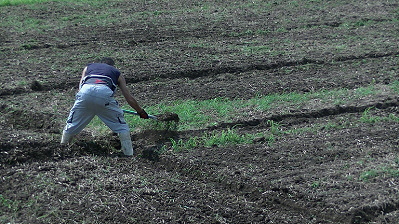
[(65, 83), (324, 112), (196, 73), (276, 196), (279, 199), (369, 213)]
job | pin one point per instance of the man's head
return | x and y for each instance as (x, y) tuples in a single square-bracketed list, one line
[(108, 61)]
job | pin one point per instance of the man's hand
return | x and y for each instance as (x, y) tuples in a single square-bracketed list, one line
[(143, 114)]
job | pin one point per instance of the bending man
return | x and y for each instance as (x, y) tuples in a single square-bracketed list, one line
[(96, 97)]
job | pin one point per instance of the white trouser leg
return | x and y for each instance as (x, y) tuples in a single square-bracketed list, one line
[(66, 138), (126, 143)]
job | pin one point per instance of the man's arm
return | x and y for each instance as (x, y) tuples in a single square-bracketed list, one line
[(82, 78), (129, 97)]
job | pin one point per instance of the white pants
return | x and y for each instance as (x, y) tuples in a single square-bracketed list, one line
[(92, 100)]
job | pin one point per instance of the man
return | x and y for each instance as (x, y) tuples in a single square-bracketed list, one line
[(96, 97)]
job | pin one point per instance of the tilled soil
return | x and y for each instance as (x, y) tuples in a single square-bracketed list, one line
[(323, 166)]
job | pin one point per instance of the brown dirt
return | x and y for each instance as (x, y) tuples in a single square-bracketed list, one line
[(343, 174)]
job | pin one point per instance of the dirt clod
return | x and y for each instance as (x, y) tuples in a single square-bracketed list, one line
[(168, 117), (36, 86)]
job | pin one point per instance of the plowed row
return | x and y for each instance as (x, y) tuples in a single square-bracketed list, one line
[(329, 162)]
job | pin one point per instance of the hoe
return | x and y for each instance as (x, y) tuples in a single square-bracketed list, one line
[(161, 117)]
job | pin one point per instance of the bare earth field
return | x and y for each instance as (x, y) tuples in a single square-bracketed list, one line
[(345, 172)]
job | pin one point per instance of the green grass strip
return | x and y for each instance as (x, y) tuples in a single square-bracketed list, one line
[(29, 2), (16, 2), (215, 139), (196, 115), (20, 2)]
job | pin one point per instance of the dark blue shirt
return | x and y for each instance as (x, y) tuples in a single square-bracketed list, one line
[(104, 70)]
